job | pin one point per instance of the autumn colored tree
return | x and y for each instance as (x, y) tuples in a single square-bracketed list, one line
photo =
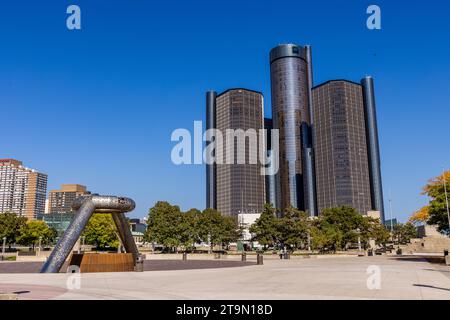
[(421, 216), (437, 208)]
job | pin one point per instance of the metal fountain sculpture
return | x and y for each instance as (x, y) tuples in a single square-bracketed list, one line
[(86, 206)]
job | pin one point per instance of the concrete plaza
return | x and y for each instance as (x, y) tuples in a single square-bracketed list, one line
[(330, 278)]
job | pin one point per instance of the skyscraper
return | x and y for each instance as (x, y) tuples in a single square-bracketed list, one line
[(22, 190), (234, 188), (342, 146), (291, 82)]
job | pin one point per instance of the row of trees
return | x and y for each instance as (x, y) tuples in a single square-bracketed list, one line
[(335, 229), (172, 228), (100, 231), (17, 229), (435, 213)]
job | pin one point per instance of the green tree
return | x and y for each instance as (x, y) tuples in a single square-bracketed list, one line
[(265, 228), (293, 228), (33, 230), (217, 229), (403, 233), (377, 231), (165, 222), (437, 208), (348, 221), (10, 225), (101, 231), (325, 237), (188, 228)]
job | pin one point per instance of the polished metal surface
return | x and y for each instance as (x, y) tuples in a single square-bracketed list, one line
[(125, 234), (373, 146), (86, 206), (287, 50), (308, 171), (311, 196)]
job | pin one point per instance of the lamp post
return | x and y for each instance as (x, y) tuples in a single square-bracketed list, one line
[(39, 245), (358, 231), (3, 247), (309, 241), (446, 197)]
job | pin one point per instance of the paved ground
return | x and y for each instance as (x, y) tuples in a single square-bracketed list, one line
[(153, 265), (332, 278)]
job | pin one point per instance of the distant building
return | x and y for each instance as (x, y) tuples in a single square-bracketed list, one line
[(236, 188), (58, 221), (138, 228), (346, 146), (390, 223), (22, 190), (246, 220), (60, 201), (137, 225)]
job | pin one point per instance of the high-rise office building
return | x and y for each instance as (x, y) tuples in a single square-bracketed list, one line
[(343, 147), (291, 83), (60, 201), (234, 188), (22, 190)]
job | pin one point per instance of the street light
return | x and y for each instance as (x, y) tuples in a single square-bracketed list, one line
[(40, 241), (3, 247), (309, 241), (446, 197), (359, 239)]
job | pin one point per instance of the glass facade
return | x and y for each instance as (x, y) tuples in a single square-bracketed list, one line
[(289, 73), (240, 187), (342, 170)]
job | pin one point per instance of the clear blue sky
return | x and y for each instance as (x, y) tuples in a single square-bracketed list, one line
[(97, 106)]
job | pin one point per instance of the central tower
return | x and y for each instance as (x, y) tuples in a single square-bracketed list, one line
[(291, 83)]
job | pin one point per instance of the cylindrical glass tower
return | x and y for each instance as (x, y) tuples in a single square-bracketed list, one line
[(373, 146), (290, 86), (211, 200)]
